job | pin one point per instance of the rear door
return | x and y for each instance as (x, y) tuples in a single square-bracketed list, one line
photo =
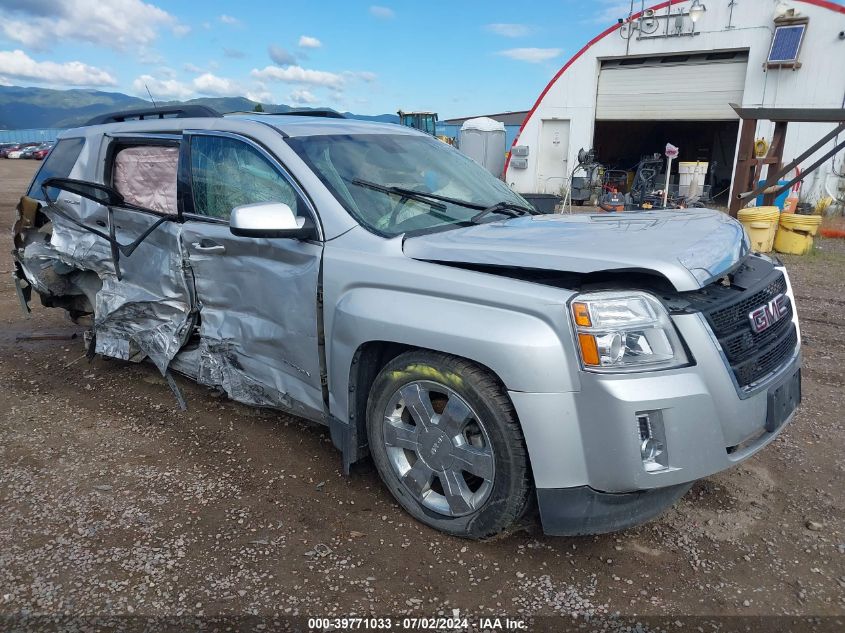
[(257, 298), (147, 310)]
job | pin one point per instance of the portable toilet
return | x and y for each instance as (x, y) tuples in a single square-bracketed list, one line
[(483, 140)]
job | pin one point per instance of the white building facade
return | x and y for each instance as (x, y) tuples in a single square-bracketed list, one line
[(659, 76)]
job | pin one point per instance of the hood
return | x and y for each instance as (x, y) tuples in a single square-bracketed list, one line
[(689, 247)]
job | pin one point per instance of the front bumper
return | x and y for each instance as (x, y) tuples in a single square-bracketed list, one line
[(582, 511), (585, 445)]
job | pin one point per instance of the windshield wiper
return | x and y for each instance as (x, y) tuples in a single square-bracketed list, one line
[(410, 194), (512, 209), (414, 194), (502, 208)]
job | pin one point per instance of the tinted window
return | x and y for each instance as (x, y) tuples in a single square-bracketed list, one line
[(227, 173), (58, 164)]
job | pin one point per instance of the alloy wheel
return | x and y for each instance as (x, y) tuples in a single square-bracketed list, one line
[(438, 447)]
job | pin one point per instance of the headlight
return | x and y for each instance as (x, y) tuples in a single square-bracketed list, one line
[(625, 331)]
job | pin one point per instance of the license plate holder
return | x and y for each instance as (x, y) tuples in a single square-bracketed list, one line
[(782, 401)]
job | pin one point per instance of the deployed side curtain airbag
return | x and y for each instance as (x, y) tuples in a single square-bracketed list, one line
[(146, 176)]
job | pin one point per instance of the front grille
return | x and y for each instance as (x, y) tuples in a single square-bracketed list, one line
[(723, 318), (751, 355), (767, 360)]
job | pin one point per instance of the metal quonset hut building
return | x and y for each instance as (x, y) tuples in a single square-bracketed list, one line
[(658, 77)]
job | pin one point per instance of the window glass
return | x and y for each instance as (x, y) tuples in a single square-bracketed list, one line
[(349, 165), (58, 164), (227, 173)]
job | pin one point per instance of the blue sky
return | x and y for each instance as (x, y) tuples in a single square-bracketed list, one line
[(457, 58)]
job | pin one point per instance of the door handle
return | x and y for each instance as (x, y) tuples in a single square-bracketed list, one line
[(209, 247)]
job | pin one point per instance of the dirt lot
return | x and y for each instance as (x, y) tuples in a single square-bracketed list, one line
[(115, 503)]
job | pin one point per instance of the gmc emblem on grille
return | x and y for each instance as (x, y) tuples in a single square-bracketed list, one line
[(764, 317)]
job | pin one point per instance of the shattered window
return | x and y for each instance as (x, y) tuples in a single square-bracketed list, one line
[(227, 173)]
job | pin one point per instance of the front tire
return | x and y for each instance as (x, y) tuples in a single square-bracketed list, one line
[(446, 441)]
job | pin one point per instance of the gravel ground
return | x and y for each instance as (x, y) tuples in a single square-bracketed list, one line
[(117, 505)]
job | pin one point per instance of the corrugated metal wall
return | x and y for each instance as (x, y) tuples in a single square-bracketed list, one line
[(29, 136)]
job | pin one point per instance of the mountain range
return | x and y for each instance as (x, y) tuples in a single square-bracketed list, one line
[(25, 107)]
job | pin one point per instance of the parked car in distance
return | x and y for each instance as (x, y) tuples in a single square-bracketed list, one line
[(42, 152), (16, 153), (29, 150), (8, 149), (370, 278)]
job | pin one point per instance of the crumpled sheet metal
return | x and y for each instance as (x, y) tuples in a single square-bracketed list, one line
[(151, 311), (131, 321), (221, 365), (258, 330)]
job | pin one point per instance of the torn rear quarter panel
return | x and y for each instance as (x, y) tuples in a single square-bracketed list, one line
[(149, 313)]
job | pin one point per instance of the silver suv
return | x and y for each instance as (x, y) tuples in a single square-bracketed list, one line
[(372, 279)]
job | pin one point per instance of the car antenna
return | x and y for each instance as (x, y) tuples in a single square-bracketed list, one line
[(151, 96)]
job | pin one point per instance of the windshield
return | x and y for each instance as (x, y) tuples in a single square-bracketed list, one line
[(377, 178)]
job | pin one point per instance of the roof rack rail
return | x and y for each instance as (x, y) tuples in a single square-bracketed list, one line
[(321, 112), (327, 113), (143, 114)]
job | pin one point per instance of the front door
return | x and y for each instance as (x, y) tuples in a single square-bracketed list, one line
[(552, 170), (257, 297)]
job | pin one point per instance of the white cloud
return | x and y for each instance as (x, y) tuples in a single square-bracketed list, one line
[(229, 20), (192, 68), (532, 55), (233, 53), (18, 65), (303, 97), (181, 30), (209, 84), (509, 30), (162, 88), (609, 11), (259, 94), (363, 75), (306, 41), (297, 74), (116, 24), (280, 55), (383, 13)]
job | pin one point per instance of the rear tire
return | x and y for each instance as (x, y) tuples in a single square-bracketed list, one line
[(447, 443)]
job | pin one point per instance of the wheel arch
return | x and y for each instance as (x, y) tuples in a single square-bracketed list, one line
[(367, 362)]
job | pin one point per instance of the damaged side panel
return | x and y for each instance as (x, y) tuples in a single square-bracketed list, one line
[(258, 325), (240, 315), (146, 314)]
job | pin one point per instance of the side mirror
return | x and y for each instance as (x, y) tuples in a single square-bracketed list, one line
[(268, 219)]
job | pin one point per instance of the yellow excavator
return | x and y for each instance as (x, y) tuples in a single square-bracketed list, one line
[(425, 122)]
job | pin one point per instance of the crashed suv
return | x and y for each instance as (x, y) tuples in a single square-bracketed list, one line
[(373, 279)]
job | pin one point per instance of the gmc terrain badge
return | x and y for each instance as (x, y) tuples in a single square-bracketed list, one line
[(764, 317)]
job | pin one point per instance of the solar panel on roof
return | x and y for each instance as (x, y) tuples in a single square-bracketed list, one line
[(786, 42)]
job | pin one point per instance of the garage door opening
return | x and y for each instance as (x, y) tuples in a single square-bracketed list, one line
[(621, 145), (642, 103)]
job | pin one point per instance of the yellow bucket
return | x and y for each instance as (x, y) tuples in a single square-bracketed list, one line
[(761, 224), (795, 236)]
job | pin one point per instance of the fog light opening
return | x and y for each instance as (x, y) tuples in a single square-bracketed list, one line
[(652, 441)]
